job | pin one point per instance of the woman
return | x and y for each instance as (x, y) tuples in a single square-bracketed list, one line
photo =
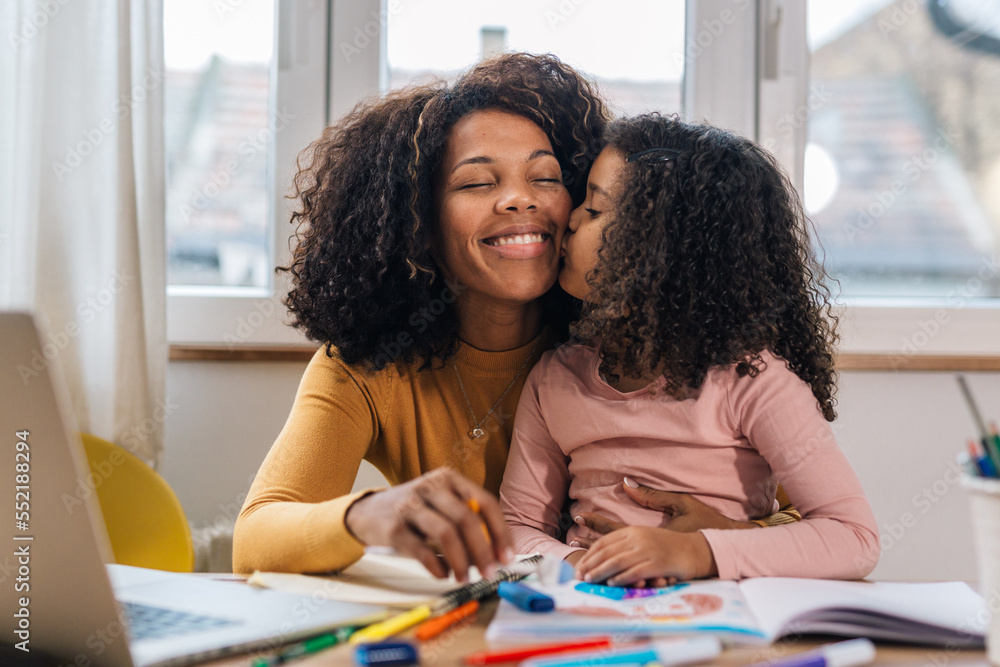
[(429, 247)]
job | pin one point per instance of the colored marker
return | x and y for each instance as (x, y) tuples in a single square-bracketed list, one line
[(518, 653), (842, 654), (525, 598), (994, 441), (666, 652), (307, 647), (991, 443), (391, 626), (968, 464), (982, 462), (625, 593), (435, 626), (986, 465)]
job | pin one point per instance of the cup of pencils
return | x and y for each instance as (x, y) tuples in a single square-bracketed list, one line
[(982, 481), (984, 496)]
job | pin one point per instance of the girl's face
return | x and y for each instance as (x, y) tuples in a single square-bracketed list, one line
[(502, 207), (586, 223)]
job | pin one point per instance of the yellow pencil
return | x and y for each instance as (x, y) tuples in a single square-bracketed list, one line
[(391, 626)]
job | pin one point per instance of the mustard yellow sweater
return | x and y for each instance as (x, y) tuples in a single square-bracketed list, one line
[(404, 421)]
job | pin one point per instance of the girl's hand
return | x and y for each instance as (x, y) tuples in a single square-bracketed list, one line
[(656, 582), (640, 554), (431, 515)]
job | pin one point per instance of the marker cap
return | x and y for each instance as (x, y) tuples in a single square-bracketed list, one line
[(849, 653), (386, 654), (525, 598)]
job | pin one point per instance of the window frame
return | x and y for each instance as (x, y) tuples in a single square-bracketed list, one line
[(747, 67)]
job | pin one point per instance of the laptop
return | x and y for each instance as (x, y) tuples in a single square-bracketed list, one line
[(60, 598)]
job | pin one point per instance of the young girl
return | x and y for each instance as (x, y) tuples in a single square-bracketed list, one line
[(702, 364)]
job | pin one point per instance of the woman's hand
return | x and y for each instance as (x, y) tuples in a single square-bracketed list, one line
[(685, 513), (431, 514), (639, 554)]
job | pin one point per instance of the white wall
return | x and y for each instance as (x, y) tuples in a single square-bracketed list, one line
[(900, 430)]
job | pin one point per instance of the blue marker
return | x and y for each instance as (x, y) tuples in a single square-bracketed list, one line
[(624, 593), (525, 598)]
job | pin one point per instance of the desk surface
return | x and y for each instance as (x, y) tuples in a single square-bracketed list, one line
[(448, 648)]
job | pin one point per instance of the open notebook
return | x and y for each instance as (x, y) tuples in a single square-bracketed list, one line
[(758, 611)]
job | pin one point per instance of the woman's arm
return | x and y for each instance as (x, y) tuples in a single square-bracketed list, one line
[(301, 517), (536, 480), (293, 516)]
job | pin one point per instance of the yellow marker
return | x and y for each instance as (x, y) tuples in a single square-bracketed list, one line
[(474, 506), (391, 626)]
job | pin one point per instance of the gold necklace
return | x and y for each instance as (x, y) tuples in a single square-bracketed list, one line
[(477, 431)]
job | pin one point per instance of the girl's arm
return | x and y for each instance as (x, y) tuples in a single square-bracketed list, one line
[(838, 535), (836, 539), (536, 480)]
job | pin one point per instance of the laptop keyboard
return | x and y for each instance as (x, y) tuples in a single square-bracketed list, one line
[(145, 622)]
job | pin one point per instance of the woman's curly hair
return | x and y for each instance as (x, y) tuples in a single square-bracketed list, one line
[(364, 279), (708, 262)]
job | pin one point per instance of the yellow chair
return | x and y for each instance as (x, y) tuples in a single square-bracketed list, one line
[(145, 521)]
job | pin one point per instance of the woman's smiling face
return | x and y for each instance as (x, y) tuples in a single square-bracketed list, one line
[(502, 208), (586, 224)]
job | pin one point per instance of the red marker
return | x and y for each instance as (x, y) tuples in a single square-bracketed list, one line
[(522, 652)]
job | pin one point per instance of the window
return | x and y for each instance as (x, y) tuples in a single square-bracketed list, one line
[(244, 96), (902, 164), (890, 133), (217, 139), (906, 224), (637, 64)]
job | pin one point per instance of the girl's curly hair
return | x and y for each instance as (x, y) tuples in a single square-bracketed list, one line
[(708, 262), (364, 279)]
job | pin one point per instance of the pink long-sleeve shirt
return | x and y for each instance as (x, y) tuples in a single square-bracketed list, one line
[(727, 444)]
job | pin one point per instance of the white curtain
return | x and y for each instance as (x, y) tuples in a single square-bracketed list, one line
[(82, 203)]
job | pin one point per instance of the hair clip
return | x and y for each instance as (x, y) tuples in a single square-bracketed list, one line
[(661, 154)]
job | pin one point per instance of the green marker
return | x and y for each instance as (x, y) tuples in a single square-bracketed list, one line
[(995, 453), (307, 647)]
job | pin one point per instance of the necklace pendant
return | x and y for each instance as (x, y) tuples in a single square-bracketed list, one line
[(476, 432)]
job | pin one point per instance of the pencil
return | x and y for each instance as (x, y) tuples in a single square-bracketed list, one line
[(990, 442), (973, 408), (474, 506), (451, 600)]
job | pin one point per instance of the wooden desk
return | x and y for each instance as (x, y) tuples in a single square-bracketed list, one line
[(448, 648)]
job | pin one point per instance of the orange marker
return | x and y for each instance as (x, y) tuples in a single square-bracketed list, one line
[(436, 626)]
